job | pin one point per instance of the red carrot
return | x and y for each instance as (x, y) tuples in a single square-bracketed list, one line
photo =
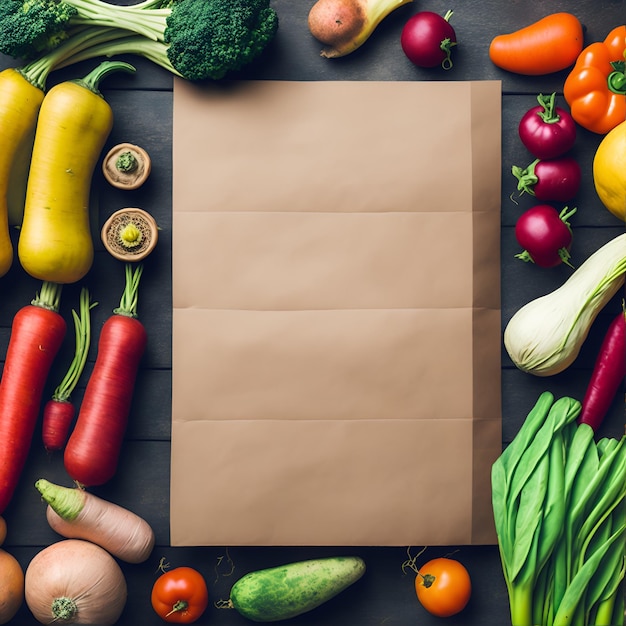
[(93, 449), (59, 411), (608, 374), (37, 333)]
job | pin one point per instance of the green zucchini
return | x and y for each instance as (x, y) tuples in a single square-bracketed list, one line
[(282, 592)]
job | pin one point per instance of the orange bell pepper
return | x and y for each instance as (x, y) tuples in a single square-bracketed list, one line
[(595, 89)]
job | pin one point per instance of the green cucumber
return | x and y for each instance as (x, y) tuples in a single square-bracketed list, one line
[(282, 592)]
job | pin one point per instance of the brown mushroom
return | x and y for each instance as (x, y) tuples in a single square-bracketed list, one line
[(126, 166), (130, 234)]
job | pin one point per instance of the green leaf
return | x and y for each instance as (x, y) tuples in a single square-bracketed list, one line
[(529, 518), (579, 584)]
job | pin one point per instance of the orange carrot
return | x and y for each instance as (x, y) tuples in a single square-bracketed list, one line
[(549, 45)]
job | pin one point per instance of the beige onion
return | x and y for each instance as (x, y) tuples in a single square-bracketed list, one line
[(75, 582)]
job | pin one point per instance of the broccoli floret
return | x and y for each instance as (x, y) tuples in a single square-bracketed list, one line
[(195, 39), (30, 27), (212, 38)]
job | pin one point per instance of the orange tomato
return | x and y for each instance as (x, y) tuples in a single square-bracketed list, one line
[(443, 587), (3, 530)]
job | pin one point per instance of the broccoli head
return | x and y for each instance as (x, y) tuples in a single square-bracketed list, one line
[(195, 39), (31, 27), (210, 38)]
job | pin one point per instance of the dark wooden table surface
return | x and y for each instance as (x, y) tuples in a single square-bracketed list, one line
[(142, 106)]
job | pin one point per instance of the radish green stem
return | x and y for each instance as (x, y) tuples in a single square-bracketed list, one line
[(548, 115), (82, 326), (447, 45)]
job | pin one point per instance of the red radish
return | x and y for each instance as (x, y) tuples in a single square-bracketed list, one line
[(427, 39), (547, 131), (607, 376), (37, 333), (93, 449), (58, 412), (545, 234), (550, 180)]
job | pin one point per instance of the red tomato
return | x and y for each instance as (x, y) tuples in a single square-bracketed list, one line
[(443, 587), (180, 596), (427, 39), (547, 131), (545, 234)]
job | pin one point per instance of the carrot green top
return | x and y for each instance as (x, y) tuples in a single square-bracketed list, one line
[(49, 297), (128, 302)]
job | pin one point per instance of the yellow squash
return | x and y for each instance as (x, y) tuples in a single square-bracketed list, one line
[(19, 106), (609, 171), (55, 242)]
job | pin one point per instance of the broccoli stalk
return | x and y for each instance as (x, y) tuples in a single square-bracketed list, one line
[(75, 48), (32, 27), (195, 39), (124, 43)]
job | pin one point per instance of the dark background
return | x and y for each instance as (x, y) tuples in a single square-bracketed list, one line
[(142, 106)]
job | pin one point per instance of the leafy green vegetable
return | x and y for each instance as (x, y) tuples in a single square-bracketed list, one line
[(560, 514), (195, 39)]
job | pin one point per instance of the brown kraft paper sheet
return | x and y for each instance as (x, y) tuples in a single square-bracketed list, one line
[(336, 323)]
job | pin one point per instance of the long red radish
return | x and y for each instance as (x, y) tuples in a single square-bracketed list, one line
[(37, 333), (608, 374), (59, 411), (76, 514), (93, 449)]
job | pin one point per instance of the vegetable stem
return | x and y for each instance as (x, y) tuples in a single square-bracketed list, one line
[(123, 43), (128, 302), (548, 114), (82, 327), (49, 297), (446, 45), (617, 78), (66, 502), (92, 80), (179, 605), (521, 600), (76, 46), (146, 20), (605, 283)]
